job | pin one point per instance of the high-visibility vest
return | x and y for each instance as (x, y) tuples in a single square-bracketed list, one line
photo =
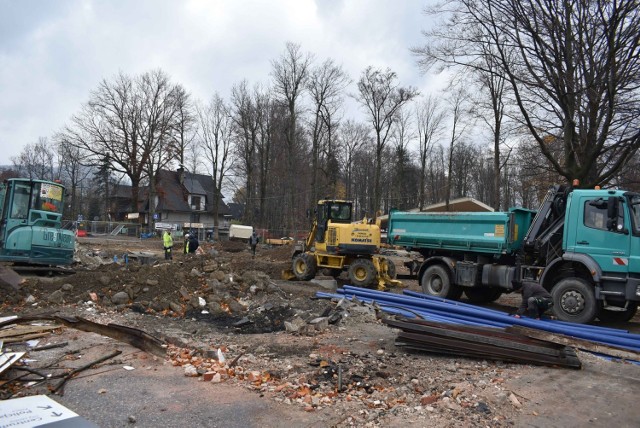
[(167, 240)]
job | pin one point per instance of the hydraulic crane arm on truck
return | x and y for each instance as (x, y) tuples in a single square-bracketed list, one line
[(582, 245)]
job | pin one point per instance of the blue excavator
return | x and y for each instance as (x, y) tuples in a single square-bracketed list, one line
[(31, 233)]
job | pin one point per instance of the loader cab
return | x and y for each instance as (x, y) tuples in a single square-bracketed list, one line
[(333, 211)]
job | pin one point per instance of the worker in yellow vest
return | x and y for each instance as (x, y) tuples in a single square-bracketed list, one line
[(167, 242)]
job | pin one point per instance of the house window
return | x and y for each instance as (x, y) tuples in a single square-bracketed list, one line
[(195, 202)]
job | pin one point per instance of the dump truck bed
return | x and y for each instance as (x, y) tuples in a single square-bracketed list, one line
[(489, 232)]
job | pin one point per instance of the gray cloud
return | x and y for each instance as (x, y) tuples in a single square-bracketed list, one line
[(53, 53)]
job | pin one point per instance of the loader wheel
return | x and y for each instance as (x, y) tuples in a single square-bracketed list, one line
[(436, 281), (304, 266), (574, 301), (617, 316), (482, 294), (362, 273)]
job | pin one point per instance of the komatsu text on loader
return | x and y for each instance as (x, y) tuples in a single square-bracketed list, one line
[(335, 243)]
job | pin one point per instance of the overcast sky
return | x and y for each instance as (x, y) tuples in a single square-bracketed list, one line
[(53, 53)]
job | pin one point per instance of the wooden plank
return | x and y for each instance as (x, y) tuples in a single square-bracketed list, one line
[(489, 351), (20, 330), (496, 337), (25, 337), (586, 345)]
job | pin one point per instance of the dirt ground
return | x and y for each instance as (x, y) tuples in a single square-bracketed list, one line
[(246, 348)]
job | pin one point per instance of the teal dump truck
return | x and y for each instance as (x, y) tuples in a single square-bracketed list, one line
[(31, 230), (581, 245)]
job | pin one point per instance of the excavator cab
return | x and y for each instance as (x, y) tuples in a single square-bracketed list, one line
[(31, 223)]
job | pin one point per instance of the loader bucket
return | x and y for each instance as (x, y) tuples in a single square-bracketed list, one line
[(384, 279), (288, 274)]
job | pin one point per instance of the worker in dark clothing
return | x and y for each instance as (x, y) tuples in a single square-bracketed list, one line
[(186, 243), (535, 299), (193, 243), (253, 242)]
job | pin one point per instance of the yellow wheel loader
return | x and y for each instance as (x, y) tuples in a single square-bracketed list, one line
[(336, 244)]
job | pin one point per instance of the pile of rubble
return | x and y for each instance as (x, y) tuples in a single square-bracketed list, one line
[(226, 318)]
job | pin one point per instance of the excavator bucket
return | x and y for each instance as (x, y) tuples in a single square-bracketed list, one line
[(10, 277)]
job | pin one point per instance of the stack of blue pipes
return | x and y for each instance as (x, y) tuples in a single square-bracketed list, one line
[(411, 304)]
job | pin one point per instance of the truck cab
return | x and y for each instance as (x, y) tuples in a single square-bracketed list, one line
[(598, 271)]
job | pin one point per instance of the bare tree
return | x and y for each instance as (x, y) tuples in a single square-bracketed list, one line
[(401, 190), (352, 137), (290, 73), (246, 128), (158, 111), (492, 84), (382, 98), (184, 125), (264, 110), (325, 84), (72, 171), (457, 102), (215, 138), (126, 125), (429, 121), (36, 160), (572, 66)]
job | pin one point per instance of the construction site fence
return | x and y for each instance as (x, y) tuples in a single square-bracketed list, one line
[(122, 229)]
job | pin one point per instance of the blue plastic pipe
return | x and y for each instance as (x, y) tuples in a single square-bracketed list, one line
[(624, 340), (616, 331)]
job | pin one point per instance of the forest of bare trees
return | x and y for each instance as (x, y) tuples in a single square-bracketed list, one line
[(541, 91)]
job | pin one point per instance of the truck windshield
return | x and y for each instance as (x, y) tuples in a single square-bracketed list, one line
[(634, 203)]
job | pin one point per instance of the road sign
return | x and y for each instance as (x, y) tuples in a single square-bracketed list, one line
[(39, 411)]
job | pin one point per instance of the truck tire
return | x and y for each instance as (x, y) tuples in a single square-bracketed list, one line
[(436, 281), (304, 266), (362, 273), (482, 294), (617, 316), (574, 301)]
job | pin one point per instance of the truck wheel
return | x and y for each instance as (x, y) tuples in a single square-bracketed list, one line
[(362, 273), (436, 282), (617, 316), (304, 266), (482, 294), (574, 301)]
